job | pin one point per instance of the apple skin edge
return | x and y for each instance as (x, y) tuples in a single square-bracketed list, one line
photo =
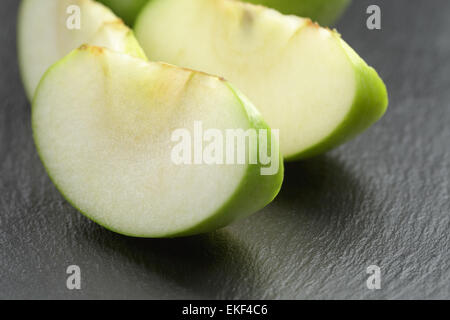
[(325, 12), (128, 10), (369, 105), (254, 192), (248, 197), (27, 87)]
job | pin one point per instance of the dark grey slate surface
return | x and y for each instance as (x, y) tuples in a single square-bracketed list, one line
[(381, 199)]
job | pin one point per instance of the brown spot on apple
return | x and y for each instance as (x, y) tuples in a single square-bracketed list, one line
[(93, 49), (97, 50), (247, 19)]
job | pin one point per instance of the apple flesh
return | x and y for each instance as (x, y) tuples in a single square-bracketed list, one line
[(44, 36), (103, 123), (304, 79), (325, 12)]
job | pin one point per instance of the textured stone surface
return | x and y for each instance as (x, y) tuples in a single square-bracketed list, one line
[(381, 199)]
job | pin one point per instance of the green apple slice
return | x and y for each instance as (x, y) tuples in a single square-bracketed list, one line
[(103, 124), (44, 35), (325, 12), (304, 79)]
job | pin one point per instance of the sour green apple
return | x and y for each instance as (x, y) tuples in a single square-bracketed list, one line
[(305, 80)]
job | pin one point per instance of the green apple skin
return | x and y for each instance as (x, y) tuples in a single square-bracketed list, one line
[(43, 39), (254, 192), (325, 12), (369, 105), (128, 10)]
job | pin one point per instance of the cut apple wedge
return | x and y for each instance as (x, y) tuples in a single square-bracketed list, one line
[(47, 32), (305, 80), (104, 125)]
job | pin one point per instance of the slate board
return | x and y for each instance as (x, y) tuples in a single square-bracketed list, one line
[(381, 199)]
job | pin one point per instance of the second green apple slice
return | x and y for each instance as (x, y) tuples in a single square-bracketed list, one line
[(305, 80), (103, 123)]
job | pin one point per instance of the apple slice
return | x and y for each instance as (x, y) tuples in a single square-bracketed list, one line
[(325, 12), (305, 80), (104, 126), (46, 34)]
